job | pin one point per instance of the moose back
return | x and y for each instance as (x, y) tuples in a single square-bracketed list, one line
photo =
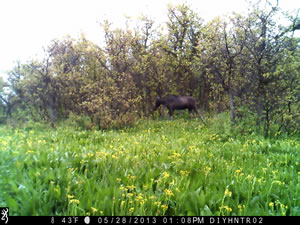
[(173, 102)]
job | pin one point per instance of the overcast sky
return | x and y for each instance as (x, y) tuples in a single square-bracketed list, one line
[(28, 25)]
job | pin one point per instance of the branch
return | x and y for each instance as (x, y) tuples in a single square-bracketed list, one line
[(4, 100)]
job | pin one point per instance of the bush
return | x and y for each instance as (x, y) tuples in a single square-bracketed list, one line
[(110, 104), (220, 124), (79, 122)]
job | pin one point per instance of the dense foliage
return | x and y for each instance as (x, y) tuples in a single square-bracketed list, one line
[(248, 64)]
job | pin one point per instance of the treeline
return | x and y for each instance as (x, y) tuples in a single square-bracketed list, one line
[(248, 65)]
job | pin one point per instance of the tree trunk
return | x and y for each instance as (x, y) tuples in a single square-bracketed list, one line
[(260, 104), (52, 109), (8, 112), (231, 106), (267, 123)]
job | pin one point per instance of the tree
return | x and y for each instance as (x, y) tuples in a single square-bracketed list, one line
[(268, 47), (184, 27), (6, 99), (219, 51), (247, 64)]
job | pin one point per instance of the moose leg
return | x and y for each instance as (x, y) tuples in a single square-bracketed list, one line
[(191, 112), (171, 113)]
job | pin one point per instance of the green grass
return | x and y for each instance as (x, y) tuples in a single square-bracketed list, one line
[(157, 167)]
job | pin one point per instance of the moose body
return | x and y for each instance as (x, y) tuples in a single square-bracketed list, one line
[(173, 102)]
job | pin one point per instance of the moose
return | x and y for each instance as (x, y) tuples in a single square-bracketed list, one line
[(173, 102)]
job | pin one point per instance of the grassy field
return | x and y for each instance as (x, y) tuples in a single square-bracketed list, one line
[(156, 167)]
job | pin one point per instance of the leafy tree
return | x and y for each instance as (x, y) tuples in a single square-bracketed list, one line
[(269, 46), (247, 64), (220, 50)]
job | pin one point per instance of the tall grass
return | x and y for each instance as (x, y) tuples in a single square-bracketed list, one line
[(157, 167)]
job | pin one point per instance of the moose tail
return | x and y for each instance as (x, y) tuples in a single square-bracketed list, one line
[(201, 117)]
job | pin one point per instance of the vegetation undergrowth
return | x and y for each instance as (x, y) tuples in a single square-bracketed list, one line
[(156, 167)]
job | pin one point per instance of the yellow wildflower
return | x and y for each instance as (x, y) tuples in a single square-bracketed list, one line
[(166, 175), (130, 187), (131, 209), (176, 155), (259, 180), (152, 197), (89, 155), (237, 172), (158, 203), (138, 198), (184, 172), (228, 193), (94, 209), (122, 188), (241, 207), (168, 192), (75, 201), (164, 207), (228, 209), (207, 169), (132, 177), (122, 203), (70, 196), (277, 182)]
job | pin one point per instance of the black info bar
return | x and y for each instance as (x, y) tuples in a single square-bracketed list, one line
[(213, 220)]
